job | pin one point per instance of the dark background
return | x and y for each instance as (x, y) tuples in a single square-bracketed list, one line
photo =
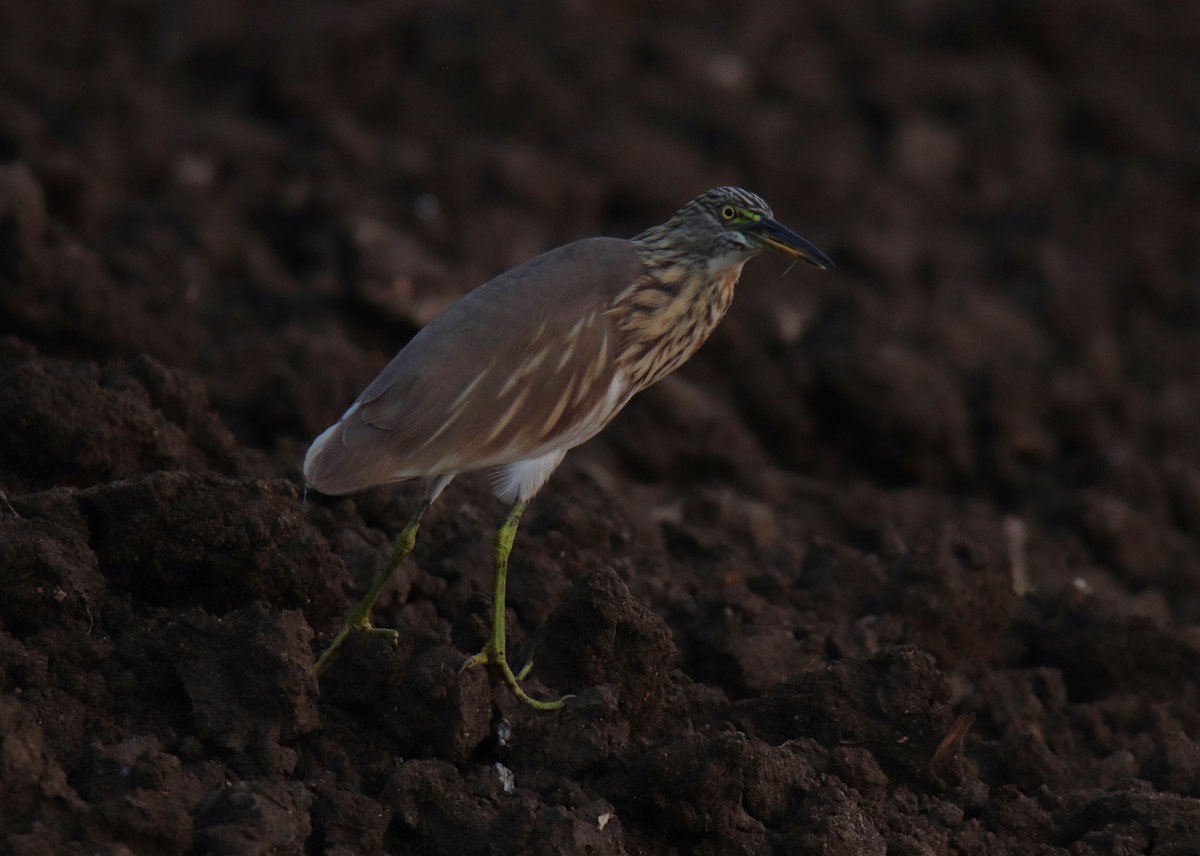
[(947, 495)]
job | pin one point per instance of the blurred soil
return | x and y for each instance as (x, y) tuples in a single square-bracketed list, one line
[(906, 561)]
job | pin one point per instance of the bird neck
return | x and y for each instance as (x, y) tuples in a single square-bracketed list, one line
[(666, 315)]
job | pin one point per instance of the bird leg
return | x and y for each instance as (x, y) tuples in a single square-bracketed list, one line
[(360, 616), (493, 653)]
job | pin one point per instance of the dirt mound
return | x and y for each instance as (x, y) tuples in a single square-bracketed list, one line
[(905, 561)]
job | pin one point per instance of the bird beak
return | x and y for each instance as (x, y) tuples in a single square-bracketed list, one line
[(774, 235)]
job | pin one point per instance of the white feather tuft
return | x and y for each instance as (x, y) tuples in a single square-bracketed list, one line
[(522, 479)]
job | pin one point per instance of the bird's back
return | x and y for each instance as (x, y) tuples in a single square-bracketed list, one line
[(511, 371)]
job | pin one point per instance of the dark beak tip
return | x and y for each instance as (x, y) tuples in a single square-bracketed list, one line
[(815, 257), (795, 245)]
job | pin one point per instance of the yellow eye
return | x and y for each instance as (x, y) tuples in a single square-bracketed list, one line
[(727, 212)]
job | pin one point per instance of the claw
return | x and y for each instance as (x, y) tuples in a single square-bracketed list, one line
[(390, 635), (525, 670)]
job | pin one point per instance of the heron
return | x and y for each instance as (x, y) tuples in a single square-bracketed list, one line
[(533, 363)]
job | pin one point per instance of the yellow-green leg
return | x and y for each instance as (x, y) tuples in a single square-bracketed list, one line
[(360, 616), (493, 653)]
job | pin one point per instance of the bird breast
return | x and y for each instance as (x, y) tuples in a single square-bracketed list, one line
[(665, 320)]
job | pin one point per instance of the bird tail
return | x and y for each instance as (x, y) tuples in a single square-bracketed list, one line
[(320, 463)]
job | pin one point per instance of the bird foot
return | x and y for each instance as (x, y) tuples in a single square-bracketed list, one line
[(330, 654), (489, 656)]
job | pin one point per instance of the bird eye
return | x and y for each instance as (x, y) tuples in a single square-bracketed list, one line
[(727, 212)]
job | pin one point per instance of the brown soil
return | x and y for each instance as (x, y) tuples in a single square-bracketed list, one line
[(906, 561)]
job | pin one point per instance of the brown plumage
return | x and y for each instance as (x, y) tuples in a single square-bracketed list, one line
[(511, 372), (538, 360)]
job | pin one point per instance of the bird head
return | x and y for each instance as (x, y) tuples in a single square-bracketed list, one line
[(738, 221)]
